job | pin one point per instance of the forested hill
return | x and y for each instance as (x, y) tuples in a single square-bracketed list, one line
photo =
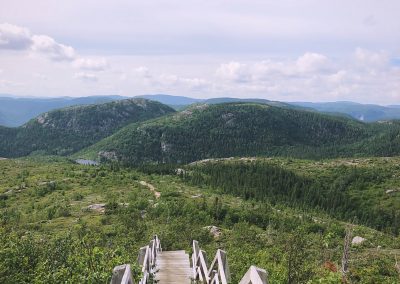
[(238, 129), (68, 130)]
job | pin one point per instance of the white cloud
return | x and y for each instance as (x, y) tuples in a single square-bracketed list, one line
[(338, 77), (371, 59), (86, 77), (312, 62), (168, 81), (20, 38), (305, 65), (234, 71), (92, 64), (14, 37), (143, 72), (367, 77), (177, 81), (56, 51)]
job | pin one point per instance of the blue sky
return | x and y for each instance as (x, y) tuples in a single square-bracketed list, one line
[(308, 50)]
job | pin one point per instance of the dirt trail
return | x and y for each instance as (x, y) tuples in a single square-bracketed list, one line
[(151, 188)]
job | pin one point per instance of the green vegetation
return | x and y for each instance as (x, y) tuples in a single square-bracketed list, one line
[(49, 234), (247, 129), (350, 192), (68, 130)]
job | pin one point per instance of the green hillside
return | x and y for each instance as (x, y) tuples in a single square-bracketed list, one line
[(244, 129), (68, 130), (50, 232), (358, 190)]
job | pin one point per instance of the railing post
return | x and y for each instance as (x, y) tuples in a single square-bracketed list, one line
[(223, 268), (146, 259), (122, 275), (255, 275), (194, 258)]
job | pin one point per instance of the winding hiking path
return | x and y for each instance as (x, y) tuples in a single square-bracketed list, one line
[(151, 188)]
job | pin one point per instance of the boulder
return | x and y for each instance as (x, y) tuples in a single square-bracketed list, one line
[(99, 207), (357, 240), (214, 230)]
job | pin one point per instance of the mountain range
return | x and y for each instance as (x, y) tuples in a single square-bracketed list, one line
[(136, 131), (16, 111), (362, 112)]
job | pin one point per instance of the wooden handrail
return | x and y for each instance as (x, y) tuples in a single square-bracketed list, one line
[(122, 274), (127, 277), (146, 259), (199, 261), (219, 269), (255, 275), (218, 272)]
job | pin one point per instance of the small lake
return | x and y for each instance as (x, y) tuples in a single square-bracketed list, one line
[(87, 162)]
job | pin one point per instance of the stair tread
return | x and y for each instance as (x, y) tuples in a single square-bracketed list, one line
[(173, 267)]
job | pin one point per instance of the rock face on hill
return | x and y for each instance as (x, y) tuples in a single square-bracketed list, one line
[(68, 130)]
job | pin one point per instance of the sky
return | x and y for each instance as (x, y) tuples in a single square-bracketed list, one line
[(287, 50)]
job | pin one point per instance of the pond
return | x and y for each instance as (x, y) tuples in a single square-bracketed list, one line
[(87, 162)]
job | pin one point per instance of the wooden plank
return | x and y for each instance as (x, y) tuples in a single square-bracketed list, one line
[(173, 267)]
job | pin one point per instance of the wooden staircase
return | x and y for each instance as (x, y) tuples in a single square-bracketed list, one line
[(173, 267)]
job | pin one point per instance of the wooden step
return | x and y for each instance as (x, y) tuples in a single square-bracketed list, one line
[(173, 267)]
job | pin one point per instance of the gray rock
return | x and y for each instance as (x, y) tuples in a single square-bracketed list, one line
[(214, 230), (99, 207), (357, 240)]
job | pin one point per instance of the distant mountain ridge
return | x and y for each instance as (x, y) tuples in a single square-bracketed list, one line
[(16, 111), (179, 102), (171, 100), (363, 112), (65, 131)]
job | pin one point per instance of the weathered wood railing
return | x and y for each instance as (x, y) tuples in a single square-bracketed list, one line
[(122, 274), (146, 259), (218, 272)]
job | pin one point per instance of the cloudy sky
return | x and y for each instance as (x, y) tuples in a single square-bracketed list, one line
[(287, 50)]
